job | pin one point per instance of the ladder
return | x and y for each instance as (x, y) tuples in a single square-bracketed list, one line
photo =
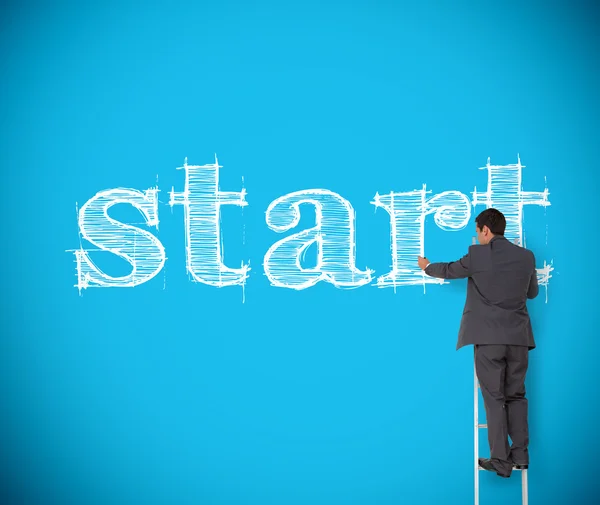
[(484, 426)]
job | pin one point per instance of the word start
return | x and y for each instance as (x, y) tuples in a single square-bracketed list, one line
[(333, 233)]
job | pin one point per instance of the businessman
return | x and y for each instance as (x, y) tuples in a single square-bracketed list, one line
[(501, 277)]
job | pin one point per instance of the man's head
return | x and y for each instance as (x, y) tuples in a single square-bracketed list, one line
[(489, 223)]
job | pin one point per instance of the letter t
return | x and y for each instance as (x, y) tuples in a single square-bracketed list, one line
[(202, 200)]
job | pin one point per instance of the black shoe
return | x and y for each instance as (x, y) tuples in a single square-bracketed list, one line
[(520, 467), (487, 464)]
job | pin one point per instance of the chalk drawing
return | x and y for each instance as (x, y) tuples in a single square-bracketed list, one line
[(333, 235), (202, 200), (140, 248), (452, 212), (505, 193)]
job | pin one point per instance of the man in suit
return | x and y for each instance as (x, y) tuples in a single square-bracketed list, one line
[(501, 277)]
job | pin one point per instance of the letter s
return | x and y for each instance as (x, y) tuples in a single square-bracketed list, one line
[(140, 248)]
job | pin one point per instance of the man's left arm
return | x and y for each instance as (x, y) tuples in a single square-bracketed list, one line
[(454, 270)]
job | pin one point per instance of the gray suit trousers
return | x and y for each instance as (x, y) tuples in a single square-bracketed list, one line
[(501, 371)]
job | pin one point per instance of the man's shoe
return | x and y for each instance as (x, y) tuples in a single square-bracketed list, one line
[(487, 464), (520, 467)]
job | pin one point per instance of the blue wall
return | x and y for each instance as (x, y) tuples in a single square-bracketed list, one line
[(178, 393)]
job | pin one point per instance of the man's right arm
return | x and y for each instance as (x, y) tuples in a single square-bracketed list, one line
[(533, 289)]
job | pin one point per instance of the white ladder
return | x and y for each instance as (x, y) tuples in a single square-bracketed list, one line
[(477, 467)]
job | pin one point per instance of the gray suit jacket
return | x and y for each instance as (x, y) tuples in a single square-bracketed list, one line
[(501, 277)]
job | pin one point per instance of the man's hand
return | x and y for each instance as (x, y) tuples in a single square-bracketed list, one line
[(423, 262)]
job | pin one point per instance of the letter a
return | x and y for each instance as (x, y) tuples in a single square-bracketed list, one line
[(333, 235)]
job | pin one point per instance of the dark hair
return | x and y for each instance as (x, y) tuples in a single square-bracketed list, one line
[(493, 219)]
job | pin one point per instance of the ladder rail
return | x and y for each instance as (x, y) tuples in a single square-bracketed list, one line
[(476, 411), (524, 490)]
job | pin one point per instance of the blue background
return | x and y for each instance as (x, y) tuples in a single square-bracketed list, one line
[(179, 393)]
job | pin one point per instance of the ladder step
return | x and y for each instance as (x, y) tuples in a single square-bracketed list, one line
[(514, 469), (482, 425)]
